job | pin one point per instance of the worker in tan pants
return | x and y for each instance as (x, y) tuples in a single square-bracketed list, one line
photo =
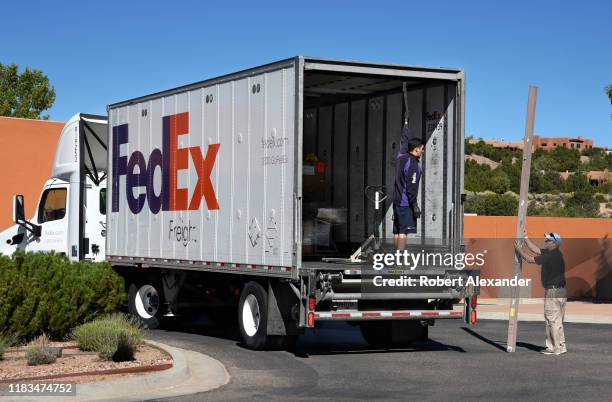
[(554, 312), (553, 281)]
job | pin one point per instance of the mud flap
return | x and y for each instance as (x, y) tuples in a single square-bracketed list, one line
[(280, 301), (172, 283)]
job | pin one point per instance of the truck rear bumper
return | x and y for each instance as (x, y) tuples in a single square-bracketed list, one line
[(387, 315)]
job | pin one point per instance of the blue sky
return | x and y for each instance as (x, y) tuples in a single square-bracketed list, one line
[(96, 53)]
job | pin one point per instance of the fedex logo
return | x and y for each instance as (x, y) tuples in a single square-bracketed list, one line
[(170, 159)]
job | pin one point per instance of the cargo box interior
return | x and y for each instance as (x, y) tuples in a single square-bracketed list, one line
[(351, 132)]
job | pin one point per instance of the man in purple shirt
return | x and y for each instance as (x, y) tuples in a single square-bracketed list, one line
[(408, 174)]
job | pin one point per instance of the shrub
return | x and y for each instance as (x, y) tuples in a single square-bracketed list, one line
[(492, 204), (36, 356), (582, 204), (45, 292), (4, 344), (114, 337), (40, 341), (578, 182)]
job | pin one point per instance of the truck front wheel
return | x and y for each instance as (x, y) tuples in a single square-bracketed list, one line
[(145, 302)]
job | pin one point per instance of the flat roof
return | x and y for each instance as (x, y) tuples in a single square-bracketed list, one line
[(309, 62)]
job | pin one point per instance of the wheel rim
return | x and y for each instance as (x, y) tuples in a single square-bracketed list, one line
[(250, 315), (147, 301)]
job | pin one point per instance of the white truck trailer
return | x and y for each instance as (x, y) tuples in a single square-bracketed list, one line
[(234, 190)]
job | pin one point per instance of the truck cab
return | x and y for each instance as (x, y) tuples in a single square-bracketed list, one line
[(70, 214)]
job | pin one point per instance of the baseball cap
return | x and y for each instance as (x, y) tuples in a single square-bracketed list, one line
[(553, 237)]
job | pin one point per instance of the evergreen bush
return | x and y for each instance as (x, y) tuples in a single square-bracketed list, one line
[(47, 293)]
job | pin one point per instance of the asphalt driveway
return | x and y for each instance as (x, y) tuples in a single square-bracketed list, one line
[(459, 362)]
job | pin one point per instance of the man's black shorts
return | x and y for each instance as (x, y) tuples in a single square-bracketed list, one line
[(404, 221)]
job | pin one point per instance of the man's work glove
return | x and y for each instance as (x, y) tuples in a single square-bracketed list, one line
[(416, 210)]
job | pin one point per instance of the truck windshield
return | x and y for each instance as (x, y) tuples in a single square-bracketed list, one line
[(53, 205)]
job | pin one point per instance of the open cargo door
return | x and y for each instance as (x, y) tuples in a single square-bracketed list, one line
[(353, 119), (94, 147), (81, 152)]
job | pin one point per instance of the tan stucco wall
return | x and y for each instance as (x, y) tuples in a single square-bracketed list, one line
[(587, 250), (27, 148)]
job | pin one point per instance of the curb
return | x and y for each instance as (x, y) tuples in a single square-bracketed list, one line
[(569, 318), (68, 376), (192, 372), (142, 384)]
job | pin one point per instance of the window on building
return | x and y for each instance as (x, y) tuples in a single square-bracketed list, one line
[(544, 144), (577, 145), (572, 145), (564, 145), (53, 205), (103, 201)]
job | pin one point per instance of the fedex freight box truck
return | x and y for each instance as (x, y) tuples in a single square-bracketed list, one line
[(267, 191)]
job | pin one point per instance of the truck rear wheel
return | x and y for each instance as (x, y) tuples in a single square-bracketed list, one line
[(393, 333), (377, 333), (253, 316), (145, 302), (409, 331)]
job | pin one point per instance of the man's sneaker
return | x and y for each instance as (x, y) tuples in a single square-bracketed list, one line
[(552, 352)]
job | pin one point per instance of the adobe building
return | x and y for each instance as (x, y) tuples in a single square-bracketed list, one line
[(546, 143), (499, 143), (27, 148), (550, 143)]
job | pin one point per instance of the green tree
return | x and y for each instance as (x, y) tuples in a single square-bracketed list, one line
[(593, 152), (608, 90), (479, 178), (513, 172), (565, 159), (578, 182), (24, 95), (544, 162), (582, 204), (492, 204), (547, 182)]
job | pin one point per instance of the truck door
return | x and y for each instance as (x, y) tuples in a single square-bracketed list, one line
[(95, 223), (53, 219)]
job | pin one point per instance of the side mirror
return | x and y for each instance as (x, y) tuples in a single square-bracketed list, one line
[(19, 216), (18, 209)]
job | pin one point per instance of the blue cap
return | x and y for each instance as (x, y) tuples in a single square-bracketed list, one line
[(553, 237)]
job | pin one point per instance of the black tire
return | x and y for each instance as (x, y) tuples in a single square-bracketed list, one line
[(407, 332), (377, 333), (146, 302), (384, 334), (253, 316), (256, 336)]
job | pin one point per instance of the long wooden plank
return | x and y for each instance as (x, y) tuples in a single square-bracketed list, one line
[(522, 215)]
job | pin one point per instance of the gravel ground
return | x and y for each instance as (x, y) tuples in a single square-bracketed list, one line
[(73, 360)]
